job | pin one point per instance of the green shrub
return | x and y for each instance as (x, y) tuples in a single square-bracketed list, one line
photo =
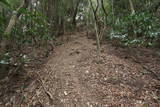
[(141, 28), (31, 25)]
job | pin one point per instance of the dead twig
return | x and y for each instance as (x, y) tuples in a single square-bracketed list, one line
[(12, 72), (152, 72), (147, 69), (45, 90)]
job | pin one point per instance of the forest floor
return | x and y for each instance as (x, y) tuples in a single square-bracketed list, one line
[(74, 77)]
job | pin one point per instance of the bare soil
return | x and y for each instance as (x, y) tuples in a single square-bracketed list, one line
[(75, 77)]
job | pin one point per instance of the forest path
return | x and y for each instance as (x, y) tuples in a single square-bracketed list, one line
[(65, 72), (74, 78)]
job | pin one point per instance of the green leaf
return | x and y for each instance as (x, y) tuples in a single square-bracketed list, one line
[(5, 2)]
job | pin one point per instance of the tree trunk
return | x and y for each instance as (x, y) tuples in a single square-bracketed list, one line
[(96, 25), (15, 16), (132, 7), (103, 8), (75, 13), (5, 43)]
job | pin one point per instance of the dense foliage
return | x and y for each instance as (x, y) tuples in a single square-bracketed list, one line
[(140, 28)]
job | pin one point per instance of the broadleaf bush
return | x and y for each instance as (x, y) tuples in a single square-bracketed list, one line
[(141, 29)]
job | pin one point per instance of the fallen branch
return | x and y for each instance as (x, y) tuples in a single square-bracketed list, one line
[(18, 67), (45, 90), (147, 69), (152, 72)]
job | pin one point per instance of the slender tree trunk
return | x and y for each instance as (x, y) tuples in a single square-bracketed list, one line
[(15, 16), (96, 25), (5, 43), (103, 8), (132, 7), (75, 13)]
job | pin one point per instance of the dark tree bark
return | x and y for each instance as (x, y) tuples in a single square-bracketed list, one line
[(75, 13), (103, 8)]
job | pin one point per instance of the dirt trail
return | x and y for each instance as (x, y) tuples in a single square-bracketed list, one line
[(64, 79), (74, 78)]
